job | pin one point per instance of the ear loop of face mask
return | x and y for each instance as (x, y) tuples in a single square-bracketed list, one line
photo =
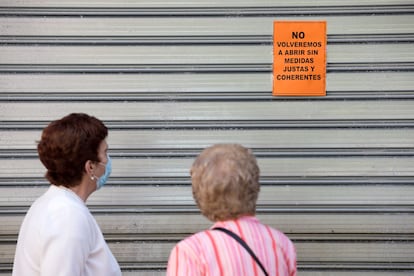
[(101, 181)]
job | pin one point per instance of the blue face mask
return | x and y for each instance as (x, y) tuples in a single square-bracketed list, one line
[(108, 169)]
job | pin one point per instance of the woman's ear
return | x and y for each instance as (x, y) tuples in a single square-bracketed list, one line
[(89, 166)]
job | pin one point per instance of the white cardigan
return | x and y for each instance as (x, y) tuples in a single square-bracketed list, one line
[(60, 237)]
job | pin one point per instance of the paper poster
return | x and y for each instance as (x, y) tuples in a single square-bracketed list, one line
[(299, 58)]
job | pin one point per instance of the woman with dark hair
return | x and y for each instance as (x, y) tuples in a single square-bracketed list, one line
[(59, 235), (225, 185)]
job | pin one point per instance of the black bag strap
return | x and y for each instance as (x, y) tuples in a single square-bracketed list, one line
[(244, 244)]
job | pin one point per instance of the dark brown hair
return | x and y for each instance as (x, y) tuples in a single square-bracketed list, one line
[(67, 144), (225, 182)]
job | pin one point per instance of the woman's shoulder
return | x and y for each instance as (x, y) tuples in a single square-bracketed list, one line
[(58, 205), (196, 241)]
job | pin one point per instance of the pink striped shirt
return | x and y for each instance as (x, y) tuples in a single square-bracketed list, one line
[(212, 252)]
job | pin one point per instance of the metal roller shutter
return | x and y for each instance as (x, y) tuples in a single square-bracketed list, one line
[(171, 77)]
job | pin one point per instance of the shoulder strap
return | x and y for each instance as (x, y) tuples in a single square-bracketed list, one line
[(244, 244)]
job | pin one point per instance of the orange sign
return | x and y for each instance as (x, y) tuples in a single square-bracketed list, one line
[(299, 58)]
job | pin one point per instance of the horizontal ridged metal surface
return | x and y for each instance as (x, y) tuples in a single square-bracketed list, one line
[(198, 26), (195, 3), (172, 77), (207, 11), (193, 39)]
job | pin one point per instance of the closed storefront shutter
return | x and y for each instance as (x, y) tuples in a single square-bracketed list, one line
[(170, 78)]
